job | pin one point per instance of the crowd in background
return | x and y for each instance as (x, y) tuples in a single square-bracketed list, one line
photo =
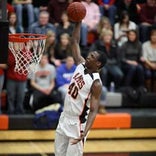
[(123, 29)]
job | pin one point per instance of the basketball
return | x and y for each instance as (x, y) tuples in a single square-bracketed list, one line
[(76, 11)]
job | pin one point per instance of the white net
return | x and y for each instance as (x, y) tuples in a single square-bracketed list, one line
[(27, 55)]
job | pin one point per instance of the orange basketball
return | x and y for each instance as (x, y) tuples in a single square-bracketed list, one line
[(76, 11)]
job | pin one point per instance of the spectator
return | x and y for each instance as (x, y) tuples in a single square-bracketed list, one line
[(131, 53), (130, 6), (26, 4), (121, 28), (107, 7), (149, 56), (62, 49), (13, 27), (43, 25), (43, 83), (55, 9), (16, 85), (92, 17), (64, 74), (147, 19), (10, 8), (104, 24), (39, 5), (65, 26), (112, 68), (139, 4), (2, 67), (90, 21), (50, 46)]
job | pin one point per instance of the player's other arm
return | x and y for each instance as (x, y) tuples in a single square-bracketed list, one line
[(94, 105), (95, 97), (75, 44)]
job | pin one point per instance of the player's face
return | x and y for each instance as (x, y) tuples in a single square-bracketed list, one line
[(91, 60)]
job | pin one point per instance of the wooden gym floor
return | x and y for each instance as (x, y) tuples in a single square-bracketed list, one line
[(115, 142)]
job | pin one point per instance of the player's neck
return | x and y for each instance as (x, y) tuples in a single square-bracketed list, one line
[(89, 71)]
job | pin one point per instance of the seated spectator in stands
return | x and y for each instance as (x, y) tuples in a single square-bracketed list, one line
[(108, 8), (130, 6), (39, 5), (149, 55), (112, 68), (131, 53), (2, 67), (16, 86), (55, 9), (147, 19), (50, 46), (65, 26), (104, 24), (62, 49), (43, 83), (64, 74), (19, 6), (121, 28), (13, 27), (42, 26)]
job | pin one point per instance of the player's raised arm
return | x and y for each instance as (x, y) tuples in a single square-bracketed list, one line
[(75, 44)]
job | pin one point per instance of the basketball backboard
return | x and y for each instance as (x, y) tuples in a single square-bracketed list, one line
[(3, 32)]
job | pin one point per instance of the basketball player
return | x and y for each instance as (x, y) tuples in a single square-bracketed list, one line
[(81, 101)]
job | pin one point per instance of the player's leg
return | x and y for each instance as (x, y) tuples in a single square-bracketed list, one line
[(61, 144)]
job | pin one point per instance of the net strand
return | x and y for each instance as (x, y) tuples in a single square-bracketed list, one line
[(27, 55)]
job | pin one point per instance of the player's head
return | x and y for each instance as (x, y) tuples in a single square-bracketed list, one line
[(95, 60)]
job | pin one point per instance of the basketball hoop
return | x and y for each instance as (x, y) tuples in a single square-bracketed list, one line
[(27, 50)]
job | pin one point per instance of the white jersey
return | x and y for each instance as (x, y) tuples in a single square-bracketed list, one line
[(77, 100)]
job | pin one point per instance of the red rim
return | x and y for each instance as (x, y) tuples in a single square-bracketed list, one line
[(25, 37)]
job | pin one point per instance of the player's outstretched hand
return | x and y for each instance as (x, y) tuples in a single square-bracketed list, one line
[(75, 141)]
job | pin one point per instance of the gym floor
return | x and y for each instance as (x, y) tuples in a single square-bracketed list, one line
[(93, 154), (106, 147)]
